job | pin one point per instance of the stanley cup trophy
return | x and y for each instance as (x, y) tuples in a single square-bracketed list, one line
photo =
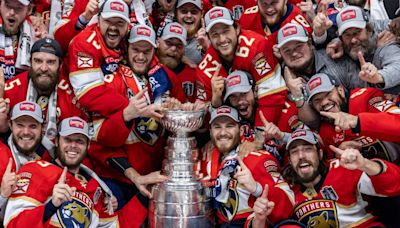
[(181, 200)]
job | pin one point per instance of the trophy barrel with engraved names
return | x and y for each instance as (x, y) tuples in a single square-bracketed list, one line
[(181, 200)]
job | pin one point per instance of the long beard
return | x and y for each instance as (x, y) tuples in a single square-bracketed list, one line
[(44, 88)]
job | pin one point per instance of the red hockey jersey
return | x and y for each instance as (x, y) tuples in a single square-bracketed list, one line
[(251, 20), (35, 186), (364, 100), (338, 201), (254, 55), (265, 170)]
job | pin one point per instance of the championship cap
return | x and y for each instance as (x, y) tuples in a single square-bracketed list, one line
[(302, 134), (197, 3), (48, 45), (25, 2), (351, 17), (115, 8), (291, 32), (238, 82), (73, 125), (27, 108), (225, 111), (217, 15), (174, 30), (319, 83), (142, 32)]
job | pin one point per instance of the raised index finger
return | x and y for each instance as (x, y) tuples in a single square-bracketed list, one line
[(9, 166), (140, 94), (361, 58), (241, 163), (322, 7), (265, 192), (263, 119), (63, 176), (336, 150)]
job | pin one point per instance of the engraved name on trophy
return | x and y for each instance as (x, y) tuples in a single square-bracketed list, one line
[(180, 201)]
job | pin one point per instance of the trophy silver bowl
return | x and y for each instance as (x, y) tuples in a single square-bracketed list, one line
[(181, 200), (181, 123)]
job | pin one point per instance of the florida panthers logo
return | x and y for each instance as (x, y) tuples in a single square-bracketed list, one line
[(317, 213), (74, 214), (147, 130), (230, 208)]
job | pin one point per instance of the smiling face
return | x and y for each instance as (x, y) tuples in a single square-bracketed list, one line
[(13, 14), (26, 134), (332, 101), (113, 30), (272, 10), (225, 134), (297, 55), (355, 40), (305, 160), (189, 16), (170, 52), (140, 55), (72, 149), (224, 39), (44, 71), (167, 5), (244, 103)]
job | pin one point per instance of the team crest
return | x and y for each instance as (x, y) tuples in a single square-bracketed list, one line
[(230, 208), (262, 67), (188, 88), (75, 213), (85, 62), (317, 213), (147, 130), (22, 184)]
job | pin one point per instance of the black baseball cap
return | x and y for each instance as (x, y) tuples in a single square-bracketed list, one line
[(42, 45)]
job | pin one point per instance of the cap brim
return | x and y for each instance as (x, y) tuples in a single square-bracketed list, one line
[(24, 2), (107, 15), (221, 115), (351, 24), (184, 2), (300, 138), (322, 90), (70, 132), (15, 116), (301, 39), (137, 39), (166, 37), (237, 89), (223, 21)]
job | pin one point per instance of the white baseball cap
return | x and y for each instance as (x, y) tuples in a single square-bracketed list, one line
[(217, 15), (142, 32), (115, 8), (351, 17), (73, 125), (27, 108)]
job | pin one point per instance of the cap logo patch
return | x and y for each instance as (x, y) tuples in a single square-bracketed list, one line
[(216, 14), (223, 110), (176, 29), (290, 30), (27, 107), (117, 6), (143, 31), (312, 84), (76, 123), (234, 80), (298, 133), (348, 14)]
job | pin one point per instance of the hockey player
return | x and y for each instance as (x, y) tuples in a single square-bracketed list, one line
[(66, 193), (329, 194), (235, 49), (22, 146), (326, 96), (267, 17), (233, 183), (41, 84), (171, 48)]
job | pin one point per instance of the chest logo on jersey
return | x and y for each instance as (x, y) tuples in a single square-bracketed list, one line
[(317, 213), (261, 65), (188, 88), (237, 12), (329, 193), (22, 184), (76, 213), (147, 130), (230, 207)]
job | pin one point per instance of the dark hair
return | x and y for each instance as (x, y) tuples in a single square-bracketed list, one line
[(290, 175)]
